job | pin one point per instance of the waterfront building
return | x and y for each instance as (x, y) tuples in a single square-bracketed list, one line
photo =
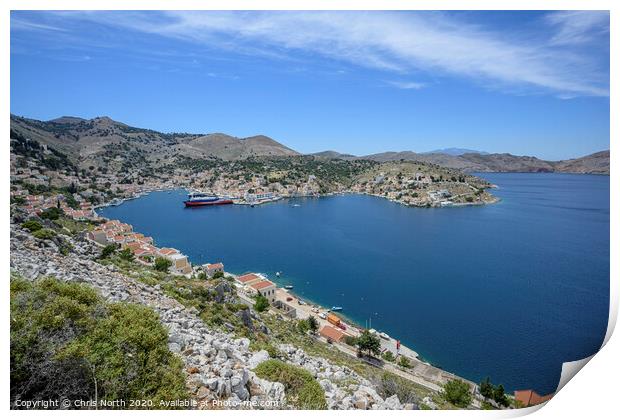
[(249, 278), (180, 264), (166, 252), (265, 288), (211, 269)]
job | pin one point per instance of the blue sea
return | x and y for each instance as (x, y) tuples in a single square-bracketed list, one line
[(510, 290)]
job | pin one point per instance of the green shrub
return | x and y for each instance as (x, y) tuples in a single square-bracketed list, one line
[(302, 390), (53, 213), (126, 254), (313, 324), (368, 342), (65, 341), (261, 303), (162, 264), (457, 392), (350, 340), (20, 201), (404, 362), (44, 234), (129, 350), (218, 274), (302, 326), (32, 225), (107, 251), (388, 356)]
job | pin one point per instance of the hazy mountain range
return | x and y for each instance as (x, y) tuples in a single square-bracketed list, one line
[(101, 139)]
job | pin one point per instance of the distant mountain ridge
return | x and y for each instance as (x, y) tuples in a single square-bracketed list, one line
[(93, 141), (455, 151), (596, 163)]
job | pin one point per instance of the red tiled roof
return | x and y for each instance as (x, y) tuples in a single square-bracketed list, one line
[(262, 285), (248, 277), (214, 266), (530, 397), (168, 251), (331, 333)]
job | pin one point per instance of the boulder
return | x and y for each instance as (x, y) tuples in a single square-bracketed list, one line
[(392, 403), (258, 358), (246, 319), (212, 383)]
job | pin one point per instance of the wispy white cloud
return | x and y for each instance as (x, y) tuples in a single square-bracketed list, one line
[(406, 85), (396, 42), (25, 25), (578, 27)]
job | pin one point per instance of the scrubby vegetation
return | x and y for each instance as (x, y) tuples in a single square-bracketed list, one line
[(457, 392), (261, 303), (44, 234), (495, 393), (162, 264), (68, 343), (302, 390), (32, 225)]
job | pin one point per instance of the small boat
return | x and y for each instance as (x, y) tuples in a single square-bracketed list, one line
[(384, 336), (288, 286), (336, 308), (277, 274)]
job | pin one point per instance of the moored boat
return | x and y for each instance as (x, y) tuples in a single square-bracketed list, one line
[(200, 199), (336, 308)]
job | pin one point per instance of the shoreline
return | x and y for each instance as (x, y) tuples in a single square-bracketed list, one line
[(310, 304)]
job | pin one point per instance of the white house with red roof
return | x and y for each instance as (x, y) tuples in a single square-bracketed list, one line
[(211, 269), (265, 288)]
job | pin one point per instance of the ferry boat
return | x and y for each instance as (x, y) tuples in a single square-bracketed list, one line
[(201, 199)]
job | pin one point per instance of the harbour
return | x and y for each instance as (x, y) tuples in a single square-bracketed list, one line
[(406, 289)]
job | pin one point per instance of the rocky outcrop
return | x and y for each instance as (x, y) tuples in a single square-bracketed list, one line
[(218, 365)]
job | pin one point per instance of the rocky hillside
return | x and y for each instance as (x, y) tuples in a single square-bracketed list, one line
[(232, 148), (220, 366), (101, 141), (597, 163)]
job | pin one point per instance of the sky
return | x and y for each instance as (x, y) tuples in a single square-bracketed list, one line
[(526, 83)]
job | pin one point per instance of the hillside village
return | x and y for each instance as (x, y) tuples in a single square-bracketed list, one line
[(41, 167)]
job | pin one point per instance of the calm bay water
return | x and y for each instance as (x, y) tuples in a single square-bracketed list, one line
[(510, 290)]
